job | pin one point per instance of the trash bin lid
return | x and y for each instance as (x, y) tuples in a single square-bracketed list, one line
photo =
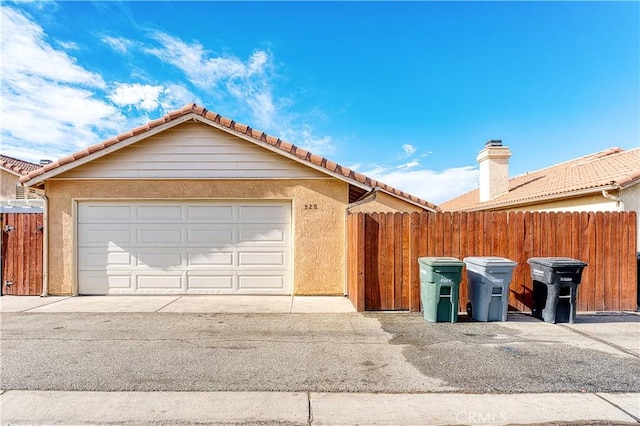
[(440, 261), (490, 261), (555, 262)]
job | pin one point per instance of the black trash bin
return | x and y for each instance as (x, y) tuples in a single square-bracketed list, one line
[(555, 287)]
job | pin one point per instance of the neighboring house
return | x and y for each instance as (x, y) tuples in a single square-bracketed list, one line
[(11, 170), (195, 203), (608, 180)]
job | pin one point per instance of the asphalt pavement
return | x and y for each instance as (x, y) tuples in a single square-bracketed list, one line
[(331, 367)]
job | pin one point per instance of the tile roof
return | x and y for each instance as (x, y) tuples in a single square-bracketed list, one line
[(613, 167), (16, 166), (232, 127)]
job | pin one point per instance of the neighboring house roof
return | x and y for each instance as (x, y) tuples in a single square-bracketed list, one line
[(17, 167), (611, 169), (196, 112)]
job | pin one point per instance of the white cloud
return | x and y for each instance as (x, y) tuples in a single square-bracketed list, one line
[(409, 165), (304, 137), (26, 53), (408, 149), (68, 45), (142, 96), (202, 69), (118, 44), (48, 107), (430, 185)]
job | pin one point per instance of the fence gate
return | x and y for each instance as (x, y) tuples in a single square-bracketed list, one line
[(21, 254)]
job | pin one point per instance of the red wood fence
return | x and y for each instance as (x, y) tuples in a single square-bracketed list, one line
[(383, 248), (22, 254)]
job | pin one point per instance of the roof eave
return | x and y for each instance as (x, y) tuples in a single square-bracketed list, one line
[(547, 198), (13, 172)]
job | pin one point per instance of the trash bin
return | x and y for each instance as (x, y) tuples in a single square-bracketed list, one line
[(555, 287), (488, 280), (440, 288)]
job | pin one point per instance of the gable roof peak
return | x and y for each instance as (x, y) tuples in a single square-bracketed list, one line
[(201, 114)]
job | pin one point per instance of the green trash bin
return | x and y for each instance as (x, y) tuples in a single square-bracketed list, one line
[(440, 287)]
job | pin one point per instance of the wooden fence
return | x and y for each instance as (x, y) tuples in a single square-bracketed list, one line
[(383, 248), (21, 254)]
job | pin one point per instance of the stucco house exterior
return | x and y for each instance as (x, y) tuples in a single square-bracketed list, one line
[(196, 203), (608, 180)]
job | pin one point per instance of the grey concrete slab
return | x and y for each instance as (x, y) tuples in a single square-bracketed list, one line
[(321, 304), (461, 409), (595, 336), (9, 303), (629, 402), (618, 330), (136, 408), (230, 304), (109, 304)]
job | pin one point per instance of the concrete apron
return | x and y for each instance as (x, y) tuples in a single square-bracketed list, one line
[(178, 304)]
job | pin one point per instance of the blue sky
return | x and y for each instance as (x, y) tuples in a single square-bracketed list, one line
[(406, 92)]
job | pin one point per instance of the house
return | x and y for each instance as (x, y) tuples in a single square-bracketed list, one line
[(196, 203), (608, 180), (11, 170)]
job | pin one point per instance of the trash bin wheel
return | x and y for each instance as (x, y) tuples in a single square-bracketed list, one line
[(469, 310)]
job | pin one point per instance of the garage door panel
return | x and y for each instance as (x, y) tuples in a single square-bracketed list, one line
[(107, 214), (210, 259), (97, 257), (224, 213), (261, 258), (207, 235), (261, 282), (264, 213), (159, 258), (159, 235), (106, 234), (209, 281), (153, 282), (262, 234), (184, 248), (101, 283), (159, 212)]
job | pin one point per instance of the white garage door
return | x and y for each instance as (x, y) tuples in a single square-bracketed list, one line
[(184, 248)]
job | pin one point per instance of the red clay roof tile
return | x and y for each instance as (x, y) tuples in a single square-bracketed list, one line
[(17, 166)]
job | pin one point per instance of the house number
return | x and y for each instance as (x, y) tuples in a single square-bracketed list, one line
[(311, 207)]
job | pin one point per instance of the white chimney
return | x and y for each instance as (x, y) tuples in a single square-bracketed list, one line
[(494, 170)]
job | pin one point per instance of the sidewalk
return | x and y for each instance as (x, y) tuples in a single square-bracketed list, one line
[(138, 408)]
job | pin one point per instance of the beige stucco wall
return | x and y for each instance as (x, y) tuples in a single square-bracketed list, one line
[(590, 203), (318, 234), (8, 183), (594, 203), (383, 203)]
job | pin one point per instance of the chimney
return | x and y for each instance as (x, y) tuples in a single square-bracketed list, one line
[(494, 170)]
